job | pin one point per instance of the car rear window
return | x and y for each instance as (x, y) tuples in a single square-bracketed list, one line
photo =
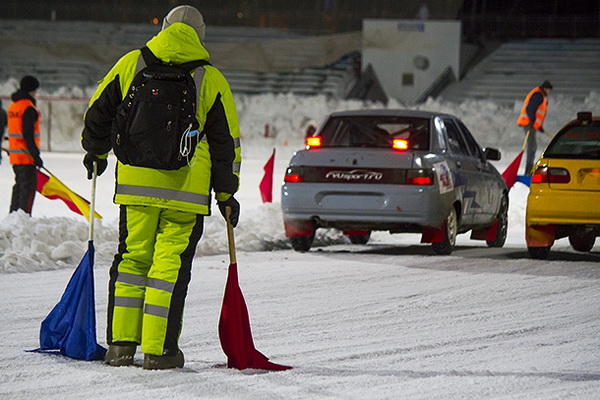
[(576, 142), (375, 132)]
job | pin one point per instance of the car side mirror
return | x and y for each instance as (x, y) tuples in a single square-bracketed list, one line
[(492, 154)]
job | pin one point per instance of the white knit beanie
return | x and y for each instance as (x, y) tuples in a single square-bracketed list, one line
[(188, 15)]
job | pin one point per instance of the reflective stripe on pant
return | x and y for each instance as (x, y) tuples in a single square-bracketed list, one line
[(150, 275)]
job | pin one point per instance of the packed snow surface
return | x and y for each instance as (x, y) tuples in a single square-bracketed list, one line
[(386, 320)]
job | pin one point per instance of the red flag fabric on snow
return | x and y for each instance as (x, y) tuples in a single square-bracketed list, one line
[(266, 184), (511, 172), (52, 188), (234, 323)]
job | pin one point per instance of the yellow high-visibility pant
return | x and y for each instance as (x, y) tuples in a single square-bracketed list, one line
[(149, 277)]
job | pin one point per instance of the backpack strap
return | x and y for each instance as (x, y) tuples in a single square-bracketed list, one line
[(192, 65), (141, 64), (149, 56), (151, 59)]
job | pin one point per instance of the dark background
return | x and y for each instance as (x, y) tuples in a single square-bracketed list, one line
[(482, 19)]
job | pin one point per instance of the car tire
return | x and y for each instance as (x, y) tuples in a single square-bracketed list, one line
[(539, 253), (360, 239), (302, 243), (446, 246), (502, 228), (581, 240)]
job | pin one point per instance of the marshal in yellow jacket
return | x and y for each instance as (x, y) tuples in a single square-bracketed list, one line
[(216, 162)]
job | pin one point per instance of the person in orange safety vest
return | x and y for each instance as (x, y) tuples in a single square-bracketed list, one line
[(532, 118), (24, 143)]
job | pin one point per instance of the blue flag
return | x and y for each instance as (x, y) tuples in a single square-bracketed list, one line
[(71, 325), (524, 179)]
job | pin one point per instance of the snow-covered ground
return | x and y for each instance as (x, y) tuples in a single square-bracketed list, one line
[(387, 320)]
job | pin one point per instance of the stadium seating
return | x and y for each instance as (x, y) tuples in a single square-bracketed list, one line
[(67, 54), (509, 72)]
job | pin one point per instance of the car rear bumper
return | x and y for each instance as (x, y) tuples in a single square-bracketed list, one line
[(551, 214), (365, 206), (563, 207)]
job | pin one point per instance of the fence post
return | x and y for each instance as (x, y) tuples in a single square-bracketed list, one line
[(49, 125)]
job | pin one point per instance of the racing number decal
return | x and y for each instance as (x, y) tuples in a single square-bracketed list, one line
[(446, 183)]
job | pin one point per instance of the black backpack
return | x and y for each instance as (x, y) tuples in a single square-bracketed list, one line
[(155, 126)]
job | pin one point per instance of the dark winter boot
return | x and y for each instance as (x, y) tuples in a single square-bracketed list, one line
[(152, 361), (118, 356)]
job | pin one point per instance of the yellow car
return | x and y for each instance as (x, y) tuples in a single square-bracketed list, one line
[(564, 198)]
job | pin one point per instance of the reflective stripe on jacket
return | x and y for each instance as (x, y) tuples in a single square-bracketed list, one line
[(216, 162), (540, 113), (16, 143)]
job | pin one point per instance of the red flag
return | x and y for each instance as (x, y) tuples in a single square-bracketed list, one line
[(234, 330), (511, 172), (234, 323), (266, 185), (52, 188)]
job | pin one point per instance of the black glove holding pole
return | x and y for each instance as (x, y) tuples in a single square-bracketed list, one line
[(37, 161), (235, 210), (88, 162)]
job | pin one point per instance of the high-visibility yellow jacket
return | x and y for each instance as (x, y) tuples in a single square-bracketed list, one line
[(20, 153), (216, 162), (540, 113)]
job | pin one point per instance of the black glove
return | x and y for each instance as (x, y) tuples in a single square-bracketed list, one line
[(38, 162), (541, 129), (235, 210), (88, 162)]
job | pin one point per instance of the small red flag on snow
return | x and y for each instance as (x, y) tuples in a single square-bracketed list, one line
[(234, 322), (266, 184), (235, 332)]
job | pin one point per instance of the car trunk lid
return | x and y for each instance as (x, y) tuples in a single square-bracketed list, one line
[(584, 174), (348, 166)]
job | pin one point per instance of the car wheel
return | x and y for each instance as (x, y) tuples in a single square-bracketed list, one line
[(582, 240), (360, 239), (302, 243), (539, 253), (502, 228), (446, 246)]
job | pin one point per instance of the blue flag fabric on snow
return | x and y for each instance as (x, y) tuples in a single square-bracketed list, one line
[(71, 325)]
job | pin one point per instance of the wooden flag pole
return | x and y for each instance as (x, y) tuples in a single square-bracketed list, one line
[(93, 202), (230, 239), (525, 141)]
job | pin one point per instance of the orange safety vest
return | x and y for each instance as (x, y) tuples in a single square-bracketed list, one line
[(540, 113), (16, 144)]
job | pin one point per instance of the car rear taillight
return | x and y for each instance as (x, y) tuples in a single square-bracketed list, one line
[(293, 175), (550, 175), (400, 144), (314, 141), (419, 177)]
